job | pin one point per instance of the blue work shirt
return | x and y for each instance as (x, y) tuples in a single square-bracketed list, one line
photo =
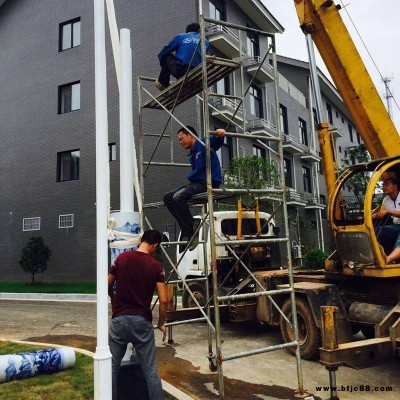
[(184, 45), (198, 161)]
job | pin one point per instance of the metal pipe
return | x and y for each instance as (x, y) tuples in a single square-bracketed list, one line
[(126, 124), (102, 356), (250, 241), (259, 351), (253, 295), (206, 121), (236, 26), (332, 384), (186, 321)]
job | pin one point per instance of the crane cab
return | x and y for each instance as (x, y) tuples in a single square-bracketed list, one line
[(359, 251)]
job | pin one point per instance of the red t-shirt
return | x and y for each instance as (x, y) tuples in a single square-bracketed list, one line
[(136, 274)]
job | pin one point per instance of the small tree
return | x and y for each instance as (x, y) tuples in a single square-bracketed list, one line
[(315, 259), (34, 256), (252, 173)]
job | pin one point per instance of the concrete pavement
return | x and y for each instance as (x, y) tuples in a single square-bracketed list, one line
[(185, 366)]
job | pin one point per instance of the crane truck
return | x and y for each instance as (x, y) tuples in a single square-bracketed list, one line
[(357, 290)]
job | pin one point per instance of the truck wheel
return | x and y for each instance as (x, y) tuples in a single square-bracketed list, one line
[(198, 292), (309, 334)]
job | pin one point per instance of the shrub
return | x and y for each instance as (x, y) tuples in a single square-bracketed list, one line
[(315, 259), (34, 256)]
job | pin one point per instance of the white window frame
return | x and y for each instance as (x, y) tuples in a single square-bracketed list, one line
[(31, 224), (66, 222)]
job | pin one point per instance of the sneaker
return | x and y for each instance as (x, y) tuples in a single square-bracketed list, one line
[(159, 85)]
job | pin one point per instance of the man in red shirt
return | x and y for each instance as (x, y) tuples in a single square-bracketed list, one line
[(137, 274)]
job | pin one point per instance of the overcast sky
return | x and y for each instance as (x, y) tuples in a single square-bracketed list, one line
[(378, 23)]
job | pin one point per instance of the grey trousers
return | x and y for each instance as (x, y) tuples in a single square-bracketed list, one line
[(137, 330)]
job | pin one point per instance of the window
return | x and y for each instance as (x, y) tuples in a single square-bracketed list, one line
[(306, 172), (222, 86), (31, 224), (315, 117), (320, 166), (259, 151), (70, 34), (303, 131), (225, 152), (217, 10), (350, 133), (340, 149), (358, 138), (112, 152), (283, 119), (68, 165), (322, 200), (329, 113), (253, 47), (69, 97), (66, 221), (256, 101), (287, 168)]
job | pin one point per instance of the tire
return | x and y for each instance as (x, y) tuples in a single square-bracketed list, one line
[(309, 334), (198, 292)]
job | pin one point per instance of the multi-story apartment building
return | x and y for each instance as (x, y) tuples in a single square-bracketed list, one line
[(47, 118), (307, 197)]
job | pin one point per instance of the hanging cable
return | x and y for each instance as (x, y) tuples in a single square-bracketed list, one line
[(344, 7)]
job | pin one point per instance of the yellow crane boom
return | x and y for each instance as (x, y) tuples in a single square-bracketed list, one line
[(321, 19)]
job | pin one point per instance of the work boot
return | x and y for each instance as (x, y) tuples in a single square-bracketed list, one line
[(159, 85), (195, 237)]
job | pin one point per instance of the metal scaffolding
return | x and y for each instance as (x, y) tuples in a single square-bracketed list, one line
[(198, 81)]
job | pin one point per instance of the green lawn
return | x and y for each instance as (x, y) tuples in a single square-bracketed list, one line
[(76, 287), (72, 384)]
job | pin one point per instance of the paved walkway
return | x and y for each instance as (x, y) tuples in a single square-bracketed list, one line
[(265, 376)]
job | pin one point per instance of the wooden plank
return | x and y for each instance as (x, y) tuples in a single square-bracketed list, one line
[(217, 69)]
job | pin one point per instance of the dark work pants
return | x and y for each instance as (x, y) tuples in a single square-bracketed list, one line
[(176, 202), (387, 236), (169, 66)]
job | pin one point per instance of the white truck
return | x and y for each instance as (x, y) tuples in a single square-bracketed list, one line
[(260, 257)]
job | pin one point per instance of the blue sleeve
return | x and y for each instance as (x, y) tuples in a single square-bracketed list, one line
[(216, 142), (169, 48)]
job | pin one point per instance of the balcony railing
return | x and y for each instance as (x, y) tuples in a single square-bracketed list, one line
[(261, 125), (224, 40), (295, 198), (311, 155), (263, 74), (292, 144), (314, 203), (336, 132), (224, 109)]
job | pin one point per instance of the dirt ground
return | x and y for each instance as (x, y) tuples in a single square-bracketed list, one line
[(183, 375)]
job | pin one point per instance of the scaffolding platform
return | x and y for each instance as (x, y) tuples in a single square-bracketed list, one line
[(185, 88), (197, 199)]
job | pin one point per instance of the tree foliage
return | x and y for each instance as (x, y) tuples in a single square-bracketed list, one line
[(250, 173), (315, 259), (34, 256), (358, 182)]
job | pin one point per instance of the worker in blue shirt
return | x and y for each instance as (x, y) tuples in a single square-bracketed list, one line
[(176, 201), (176, 57)]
